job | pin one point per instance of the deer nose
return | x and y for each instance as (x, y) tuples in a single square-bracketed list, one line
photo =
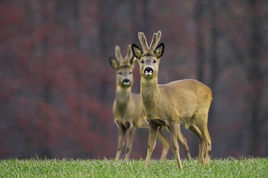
[(126, 81), (148, 71)]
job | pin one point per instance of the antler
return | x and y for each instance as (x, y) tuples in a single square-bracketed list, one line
[(118, 54), (129, 53), (155, 40), (143, 41)]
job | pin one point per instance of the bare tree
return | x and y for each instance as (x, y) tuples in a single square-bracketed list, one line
[(253, 70), (213, 51), (145, 16), (200, 51)]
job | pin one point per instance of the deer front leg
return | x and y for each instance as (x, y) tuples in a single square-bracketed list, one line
[(161, 137), (183, 141), (130, 138), (173, 129), (121, 136), (153, 128)]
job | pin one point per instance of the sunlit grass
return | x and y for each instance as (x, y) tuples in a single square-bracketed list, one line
[(250, 167)]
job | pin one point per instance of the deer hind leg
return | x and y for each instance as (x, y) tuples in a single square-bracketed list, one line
[(183, 141), (153, 129), (173, 129), (202, 126), (206, 137), (161, 137), (121, 136), (196, 130), (208, 152), (208, 143), (130, 138)]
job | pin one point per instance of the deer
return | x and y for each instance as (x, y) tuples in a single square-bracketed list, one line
[(127, 108), (168, 105)]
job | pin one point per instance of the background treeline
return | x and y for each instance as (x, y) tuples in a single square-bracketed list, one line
[(57, 88)]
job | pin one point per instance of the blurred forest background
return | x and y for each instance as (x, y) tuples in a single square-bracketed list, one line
[(57, 88)]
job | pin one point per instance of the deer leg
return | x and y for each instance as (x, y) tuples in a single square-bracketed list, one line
[(183, 141), (161, 137), (121, 136), (196, 130), (208, 145), (173, 129), (130, 138), (153, 128), (202, 124)]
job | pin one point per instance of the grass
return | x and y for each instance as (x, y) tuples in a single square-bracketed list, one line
[(245, 167)]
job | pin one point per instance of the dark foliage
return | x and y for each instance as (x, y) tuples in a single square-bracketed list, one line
[(57, 87)]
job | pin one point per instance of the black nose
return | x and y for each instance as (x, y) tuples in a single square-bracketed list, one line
[(126, 81), (148, 70)]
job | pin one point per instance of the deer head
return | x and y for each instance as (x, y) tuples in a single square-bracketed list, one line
[(123, 67), (149, 56)]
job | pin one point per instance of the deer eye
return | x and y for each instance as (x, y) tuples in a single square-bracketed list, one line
[(120, 73), (142, 61), (154, 61)]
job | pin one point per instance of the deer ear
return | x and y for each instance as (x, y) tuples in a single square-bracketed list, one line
[(159, 50), (113, 62), (137, 52)]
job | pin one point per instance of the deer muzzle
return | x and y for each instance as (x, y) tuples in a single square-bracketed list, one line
[(126, 82), (148, 71)]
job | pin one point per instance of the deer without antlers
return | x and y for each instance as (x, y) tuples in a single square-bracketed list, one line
[(127, 109), (183, 101)]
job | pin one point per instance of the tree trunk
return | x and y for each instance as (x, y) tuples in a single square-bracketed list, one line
[(107, 34), (254, 77), (200, 53), (146, 17), (213, 57)]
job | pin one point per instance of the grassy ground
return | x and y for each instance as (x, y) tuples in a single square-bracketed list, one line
[(109, 168)]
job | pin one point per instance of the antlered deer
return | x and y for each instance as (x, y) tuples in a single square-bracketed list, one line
[(127, 108), (183, 101)]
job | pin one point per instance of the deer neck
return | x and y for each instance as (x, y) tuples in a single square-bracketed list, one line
[(122, 98), (149, 92)]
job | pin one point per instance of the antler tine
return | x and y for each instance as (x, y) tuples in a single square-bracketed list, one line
[(159, 34), (143, 41), (129, 52), (118, 54), (155, 40)]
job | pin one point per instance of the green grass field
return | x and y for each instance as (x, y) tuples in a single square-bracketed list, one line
[(110, 168)]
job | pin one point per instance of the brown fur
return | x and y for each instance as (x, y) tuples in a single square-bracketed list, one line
[(182, 101), (127, 108)]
